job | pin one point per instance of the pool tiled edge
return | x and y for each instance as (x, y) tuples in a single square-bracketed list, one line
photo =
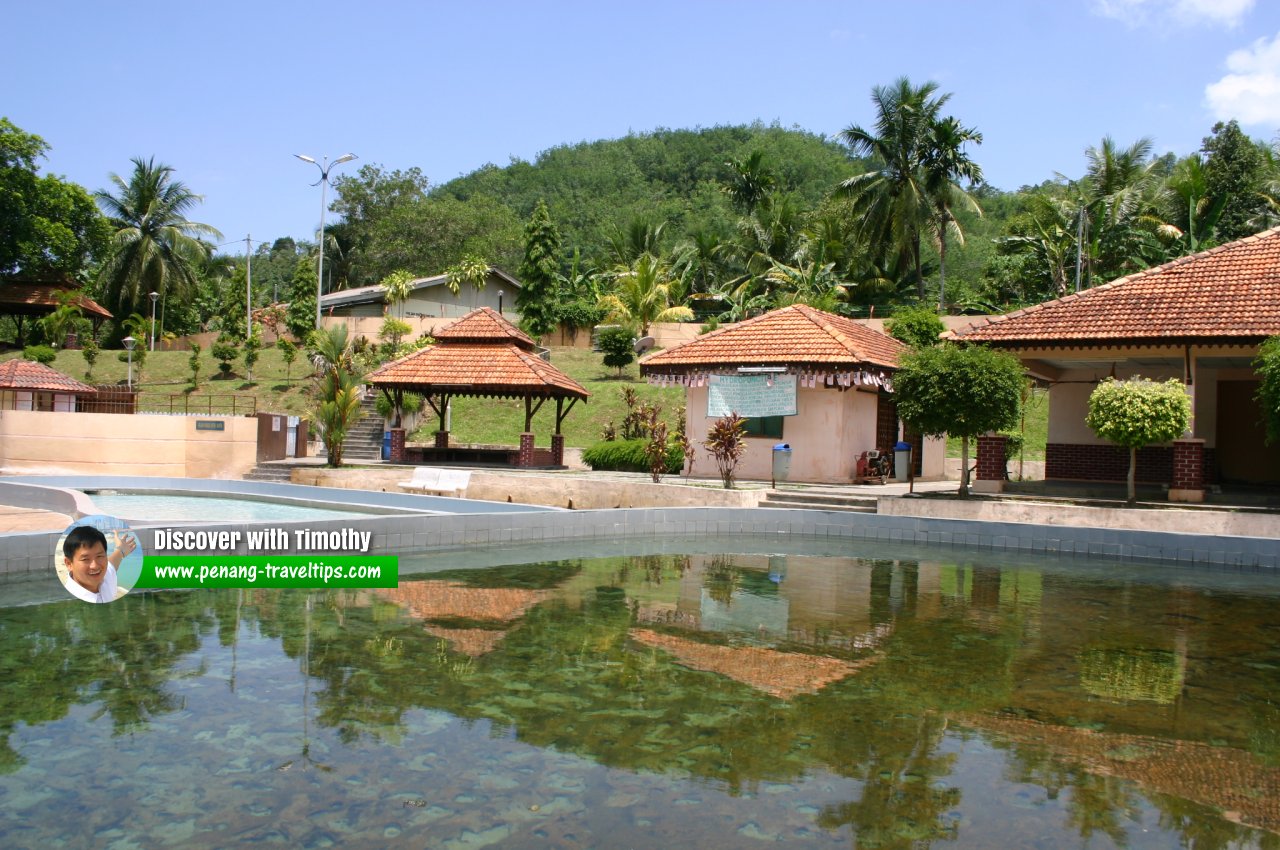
[(418, 534)]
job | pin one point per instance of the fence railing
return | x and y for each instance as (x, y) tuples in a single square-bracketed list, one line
[(114, 399)]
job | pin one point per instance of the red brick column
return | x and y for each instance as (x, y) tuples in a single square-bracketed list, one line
[(526, 450), (557, 449), (397, 445), (442, 439), (1188, 471), (991, 463)]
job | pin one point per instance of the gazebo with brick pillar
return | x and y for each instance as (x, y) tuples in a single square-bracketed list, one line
[(480, 355)]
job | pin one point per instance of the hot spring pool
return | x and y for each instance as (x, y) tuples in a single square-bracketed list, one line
[(165, 507), (664, 701)]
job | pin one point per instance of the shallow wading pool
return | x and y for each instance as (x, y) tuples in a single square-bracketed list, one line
[(860, 696)]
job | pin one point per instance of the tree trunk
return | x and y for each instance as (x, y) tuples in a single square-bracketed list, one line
[(964, 467), (942, 270), (915, 255), (1133, 469)]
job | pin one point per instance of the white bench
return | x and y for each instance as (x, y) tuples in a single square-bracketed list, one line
[(433, 479)]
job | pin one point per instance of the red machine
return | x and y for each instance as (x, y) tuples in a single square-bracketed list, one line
[(873, 468)]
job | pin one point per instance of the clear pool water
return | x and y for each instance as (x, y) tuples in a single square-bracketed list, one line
[(664, 701), (162, 507)]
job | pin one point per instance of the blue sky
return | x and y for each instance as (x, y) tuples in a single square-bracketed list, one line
[(227, 93)]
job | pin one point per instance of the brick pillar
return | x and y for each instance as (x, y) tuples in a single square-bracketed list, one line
[(991, 463), (1188, 471), (442, 439), (526, 450), (397, 445), (557, 449)]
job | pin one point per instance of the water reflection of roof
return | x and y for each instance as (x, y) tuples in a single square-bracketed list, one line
[(435, 600), (781, 674), (473, 642), (1233, 780)]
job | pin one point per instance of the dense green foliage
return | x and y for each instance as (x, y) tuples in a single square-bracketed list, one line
[(1138, 412), (918, 327), (618, 347), (39, 354), (960, 391), (539, 273), (47, 225), (629, 456), (1267, 366)]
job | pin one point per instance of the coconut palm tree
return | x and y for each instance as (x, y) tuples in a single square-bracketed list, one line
[(893, 201), (646, 292), (154, 247)]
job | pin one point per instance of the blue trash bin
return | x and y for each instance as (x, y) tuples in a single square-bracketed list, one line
[(901, 461), (386, 445), (781, 462)]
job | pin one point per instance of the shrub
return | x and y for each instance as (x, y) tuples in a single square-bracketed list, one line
[(726, 444), (1137, 413), (618, 347), (289, 352), (89, 351), (224, 350), (918, 327), (629, 456), (39, 353), (194, 362)]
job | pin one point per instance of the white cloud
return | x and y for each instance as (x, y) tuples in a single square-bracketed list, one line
[(1251, 91), (1227, 13)]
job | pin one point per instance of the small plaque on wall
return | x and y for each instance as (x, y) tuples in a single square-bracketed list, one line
[(210, 425)]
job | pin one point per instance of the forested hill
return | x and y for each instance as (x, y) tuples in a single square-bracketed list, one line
[(597, 189)]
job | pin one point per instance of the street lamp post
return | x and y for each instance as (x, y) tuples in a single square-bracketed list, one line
[(324, 185), (499, 302), (155, 296), (129, 343)]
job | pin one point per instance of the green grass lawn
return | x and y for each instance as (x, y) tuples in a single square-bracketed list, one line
[(500, 421)]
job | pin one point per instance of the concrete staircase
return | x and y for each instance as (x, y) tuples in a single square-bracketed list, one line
[(277, 473), (818, 501), (364, 441)]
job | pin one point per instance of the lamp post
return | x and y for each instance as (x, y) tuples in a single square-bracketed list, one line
[(129, 343), (499, 302), (155, 296), (324, 185)]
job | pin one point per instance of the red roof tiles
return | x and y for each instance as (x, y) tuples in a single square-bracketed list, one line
[(19, 374), (38, 298), (482, 370), (485, 325), (1230, 293), (792, 336)]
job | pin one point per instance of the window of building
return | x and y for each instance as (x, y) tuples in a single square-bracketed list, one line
[(764, 426)]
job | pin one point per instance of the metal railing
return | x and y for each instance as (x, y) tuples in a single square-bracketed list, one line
[(116, 400)]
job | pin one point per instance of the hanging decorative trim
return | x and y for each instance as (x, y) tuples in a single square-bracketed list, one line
[(808, 379)]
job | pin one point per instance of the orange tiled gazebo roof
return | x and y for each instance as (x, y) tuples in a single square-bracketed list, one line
[(481, 354), (22, 374), (798, 336), (40, 297), (1226, 295)]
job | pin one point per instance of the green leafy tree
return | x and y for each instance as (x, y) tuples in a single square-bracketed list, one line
[(1267, 365), (918, 327), (945, 165), (289, 353), (225, 350), (726, 443), (338, 390), (65, 318), (1136, 413), (1234, 172), (539, 274), (232, 316), (751, 181), (154, 248), (618, 347), (194, 363), (1192, 214), (300, 318), (46, 223), (89, 351), (471, 270), (962, 391), (252, 350)]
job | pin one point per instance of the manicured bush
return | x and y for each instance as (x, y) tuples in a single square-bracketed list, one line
[(618, 347), (1136, 413), (629, 456), (39, 353)]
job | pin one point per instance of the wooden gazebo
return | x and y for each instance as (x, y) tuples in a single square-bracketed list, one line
[(481, 355), (36, 297)]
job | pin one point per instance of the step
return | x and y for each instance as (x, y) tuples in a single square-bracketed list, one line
[(819, 506), (791, 498)]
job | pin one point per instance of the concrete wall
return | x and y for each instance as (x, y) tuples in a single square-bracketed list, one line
[(368, 326), (549, 490), (1184, 521), (101, 443)]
